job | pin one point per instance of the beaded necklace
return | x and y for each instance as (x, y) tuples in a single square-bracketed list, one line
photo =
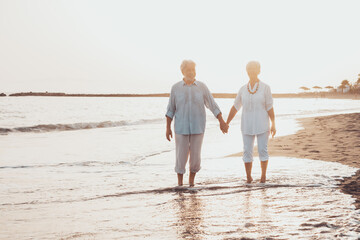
[(248, 88)]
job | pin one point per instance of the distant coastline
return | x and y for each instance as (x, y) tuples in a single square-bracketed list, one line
[(216, 95), (60, 94)]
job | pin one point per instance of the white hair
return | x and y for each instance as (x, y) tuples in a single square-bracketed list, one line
[(253, 64), (187, 63)]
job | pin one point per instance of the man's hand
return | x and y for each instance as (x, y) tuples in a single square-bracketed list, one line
[(168, 134), (168, 128), (273, 130)]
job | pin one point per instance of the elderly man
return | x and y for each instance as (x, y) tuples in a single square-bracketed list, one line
[(187, 103)]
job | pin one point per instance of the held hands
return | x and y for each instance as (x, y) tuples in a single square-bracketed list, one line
[(168, 134), (224, 127)]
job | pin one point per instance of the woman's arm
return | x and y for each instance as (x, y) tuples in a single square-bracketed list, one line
[(272, 118), (231, 115)]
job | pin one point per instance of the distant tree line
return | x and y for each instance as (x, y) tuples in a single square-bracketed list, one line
[(345, 85)]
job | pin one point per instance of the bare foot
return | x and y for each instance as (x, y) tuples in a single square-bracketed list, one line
[(179, 187), (263, 179), (249, 180)]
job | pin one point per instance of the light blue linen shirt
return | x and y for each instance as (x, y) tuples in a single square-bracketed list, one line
[(187, 103)]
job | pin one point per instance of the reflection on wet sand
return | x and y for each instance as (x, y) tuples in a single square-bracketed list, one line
[(255, 214), (190, 216), (289, 206)]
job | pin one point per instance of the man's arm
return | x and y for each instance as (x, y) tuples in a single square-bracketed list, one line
[(210, 102), (168, 128), (171, 108), (214, 108)]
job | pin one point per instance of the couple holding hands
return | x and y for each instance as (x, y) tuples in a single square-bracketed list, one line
[(187, 102)]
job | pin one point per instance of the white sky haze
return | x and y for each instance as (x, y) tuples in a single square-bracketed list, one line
[(137, 46)]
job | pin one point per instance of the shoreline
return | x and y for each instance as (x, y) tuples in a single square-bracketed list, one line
[(334, 138), (216, 95)]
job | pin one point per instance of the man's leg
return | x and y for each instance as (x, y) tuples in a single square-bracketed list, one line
[(180, 179), (182, 153), (195, 156)]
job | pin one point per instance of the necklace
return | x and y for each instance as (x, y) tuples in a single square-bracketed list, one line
[(248, 87)]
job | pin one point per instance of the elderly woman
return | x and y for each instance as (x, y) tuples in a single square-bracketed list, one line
[(187, 103), (256, 100)]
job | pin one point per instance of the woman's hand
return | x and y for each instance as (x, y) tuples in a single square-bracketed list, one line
[(273, 130), (272, 118)]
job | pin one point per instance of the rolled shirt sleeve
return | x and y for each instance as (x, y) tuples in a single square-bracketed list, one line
[(210, 101), (268, 99), (171, 105), (238, 101)]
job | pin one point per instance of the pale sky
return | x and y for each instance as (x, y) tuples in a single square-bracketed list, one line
[(134, 46)]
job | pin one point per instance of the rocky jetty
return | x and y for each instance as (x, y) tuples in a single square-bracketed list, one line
[(216, 95), (59, 94)]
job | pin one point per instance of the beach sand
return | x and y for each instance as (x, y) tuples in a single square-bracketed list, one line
[(334, 138)]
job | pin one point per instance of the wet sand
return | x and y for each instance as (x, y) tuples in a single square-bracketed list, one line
[(334, 138)]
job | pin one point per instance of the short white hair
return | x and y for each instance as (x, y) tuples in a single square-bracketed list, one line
[(187, 63), (253, 64)]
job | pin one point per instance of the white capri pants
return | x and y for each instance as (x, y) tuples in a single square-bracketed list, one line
[(262, 141), (185, 145)]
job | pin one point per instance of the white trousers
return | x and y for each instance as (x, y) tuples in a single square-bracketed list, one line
[(188, 145), (262, 141)]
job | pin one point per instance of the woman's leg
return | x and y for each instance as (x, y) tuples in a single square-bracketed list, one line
[(192, 179), (248, 167), (263, 171), (248, 141), (195, 156), (262, 140)]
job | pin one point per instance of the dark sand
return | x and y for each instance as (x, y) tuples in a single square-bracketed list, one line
[(334, 138)]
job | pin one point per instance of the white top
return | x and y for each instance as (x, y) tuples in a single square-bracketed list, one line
[(254, 117)]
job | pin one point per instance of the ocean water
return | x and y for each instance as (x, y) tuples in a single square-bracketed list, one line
[(101, 168)]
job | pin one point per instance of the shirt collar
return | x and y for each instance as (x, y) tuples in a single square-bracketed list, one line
[(194, 83)]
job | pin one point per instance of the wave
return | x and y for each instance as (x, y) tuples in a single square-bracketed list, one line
[(86, 163), (70, 164), (77, 126), (216, 190)]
